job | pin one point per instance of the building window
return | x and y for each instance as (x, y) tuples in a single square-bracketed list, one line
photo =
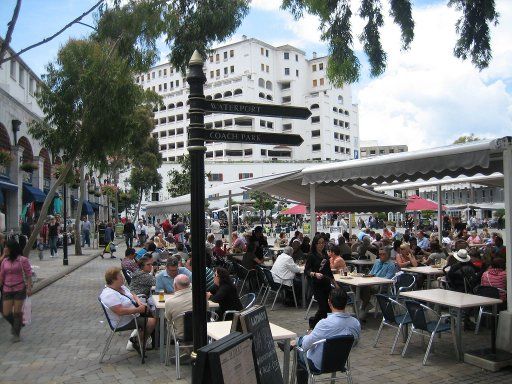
[(159, 73), (315, 119), (262, 67), (153, 75), (266, 52), (267, 68), (340, 99), (314, 67), (244, 176), (314, 106), (226, 55), (211, 59), (226, 70), (287, 55), (32, 85), (270, 124), (315, 83), (321, 66), (215, 176), (297, 72), (316, 147), (238, 91), (234, 153), (21, 77), (159, 87), (322, 81), (165, 71), (177, 83), (217, 57), (287, 127), (209, 155), (232, 69), (212, 74), (287, 71), (262, 123), (287, 99), (165, 86), (262, 51), (336, 135), (217, 72), (247, 152), (268, 85), (296, 57), (261, 95), (231, 53), (315, 133), (13, 69), (219, 153)]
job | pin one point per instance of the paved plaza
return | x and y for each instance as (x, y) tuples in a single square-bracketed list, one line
[(68, 332)]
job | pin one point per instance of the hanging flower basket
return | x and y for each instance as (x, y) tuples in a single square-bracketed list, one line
[(91, 190), (109, 190), (97, 194), (5, 157), (28, 167), (75, 186)]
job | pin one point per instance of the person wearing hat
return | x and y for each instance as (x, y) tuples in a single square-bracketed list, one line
[(463, 274)]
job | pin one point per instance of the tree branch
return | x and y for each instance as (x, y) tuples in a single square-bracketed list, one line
[(10, 30), (44, 41)]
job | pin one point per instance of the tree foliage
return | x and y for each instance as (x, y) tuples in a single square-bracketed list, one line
[(179, 180), (262, 201), (466, 139)]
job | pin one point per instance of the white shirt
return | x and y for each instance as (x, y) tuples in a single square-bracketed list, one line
[(284, 268), (110, 298), (141, 228)]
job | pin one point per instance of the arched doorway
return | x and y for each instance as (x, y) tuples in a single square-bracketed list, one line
[(47, 168)]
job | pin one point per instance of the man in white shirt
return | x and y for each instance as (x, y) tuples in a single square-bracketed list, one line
[(284, 270), (142, 232)]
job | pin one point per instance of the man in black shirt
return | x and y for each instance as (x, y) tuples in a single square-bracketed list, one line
[(129, 233)]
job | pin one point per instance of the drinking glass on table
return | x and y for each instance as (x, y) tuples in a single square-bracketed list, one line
[(161, 297)]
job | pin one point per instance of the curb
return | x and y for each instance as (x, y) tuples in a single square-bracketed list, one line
[(52, 279)]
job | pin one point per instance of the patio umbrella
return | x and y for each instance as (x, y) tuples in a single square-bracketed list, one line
[(298, 209), (417, 203)]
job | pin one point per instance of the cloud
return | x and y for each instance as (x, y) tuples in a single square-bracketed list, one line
[(427, 97)]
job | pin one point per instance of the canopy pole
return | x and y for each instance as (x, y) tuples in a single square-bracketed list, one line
[(312, 209), (439, 215), (504, 336), (350, 224), (230, 219)]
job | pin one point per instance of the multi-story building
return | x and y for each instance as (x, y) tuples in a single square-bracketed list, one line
[(253, 71), (26, 166), (372, 148)]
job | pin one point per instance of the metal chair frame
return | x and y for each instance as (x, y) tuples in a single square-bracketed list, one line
[(114, 331), (264, 285), (333, 378), (403, 288), (270, 289), (172, 332), (393, 323), (482, 310), (441, 318), (249, 297)]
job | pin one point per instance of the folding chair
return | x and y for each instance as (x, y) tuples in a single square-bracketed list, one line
[(114, 330), (335, 358), (394, 315)]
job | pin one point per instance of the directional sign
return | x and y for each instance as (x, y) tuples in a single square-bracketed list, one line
[(245, 137), (269, 110)]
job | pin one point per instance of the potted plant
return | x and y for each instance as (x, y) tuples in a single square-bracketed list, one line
[(28, 167), (5, 157), (97, 194)]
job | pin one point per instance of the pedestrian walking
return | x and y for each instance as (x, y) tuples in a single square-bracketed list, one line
[(86, 232), (16, 279), (53, 236), (129, 233), (109, 242)]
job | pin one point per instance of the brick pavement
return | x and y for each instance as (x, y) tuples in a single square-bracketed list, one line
[(68, 332)]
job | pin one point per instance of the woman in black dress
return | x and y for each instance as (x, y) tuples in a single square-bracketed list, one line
[(319, 272), (224, 293)]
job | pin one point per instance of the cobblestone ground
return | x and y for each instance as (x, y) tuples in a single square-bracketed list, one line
[(68, 332)]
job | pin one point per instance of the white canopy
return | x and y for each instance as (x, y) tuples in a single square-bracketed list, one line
[(181, 204), (351, 198), (480, 157)]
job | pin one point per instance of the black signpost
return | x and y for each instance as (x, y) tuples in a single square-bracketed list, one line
[(197, 135)]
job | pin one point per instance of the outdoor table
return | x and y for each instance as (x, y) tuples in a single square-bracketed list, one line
[(425, 270), (360, 263), (160, 307), (217, 330), (358, 282), (458, 301), (275, 250)]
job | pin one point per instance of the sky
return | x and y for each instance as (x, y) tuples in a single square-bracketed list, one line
[(425, 98)]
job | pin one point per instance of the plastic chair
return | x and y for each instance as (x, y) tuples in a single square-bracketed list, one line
[(184, 342), (275, 288), (114, 330), (427, 320), (394, 315), (487, 291), (335, 358)]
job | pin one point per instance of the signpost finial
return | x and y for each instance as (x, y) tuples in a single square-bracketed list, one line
[(196, 59)]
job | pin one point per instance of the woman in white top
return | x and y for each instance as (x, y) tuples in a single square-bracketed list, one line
[(121, 303)]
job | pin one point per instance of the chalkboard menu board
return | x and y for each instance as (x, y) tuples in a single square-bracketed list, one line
[(227, 361), (255, 321)]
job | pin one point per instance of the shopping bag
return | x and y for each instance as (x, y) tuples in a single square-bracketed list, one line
[(27, 311), (112, 247)]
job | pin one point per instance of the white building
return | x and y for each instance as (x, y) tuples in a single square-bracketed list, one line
[(370, 148), (254, 71)]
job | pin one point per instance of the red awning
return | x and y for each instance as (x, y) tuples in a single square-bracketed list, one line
[(416, 203)]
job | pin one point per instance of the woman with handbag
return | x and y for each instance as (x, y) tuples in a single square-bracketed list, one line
[(110, 247), (16, 279)]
